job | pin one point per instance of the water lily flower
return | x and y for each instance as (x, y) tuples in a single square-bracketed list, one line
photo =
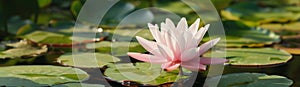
[(177, 46)]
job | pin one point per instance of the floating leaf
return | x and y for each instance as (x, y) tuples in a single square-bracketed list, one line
[(21, 52), (129, 34), (292, 26), (251, 11), (22, 49), (18, 82), (48, 37), (239, 35), (117, 48), (87, 60), (250, 80), (44, 74), (252, 57), (177, 7), (79, 85), (144, 73)]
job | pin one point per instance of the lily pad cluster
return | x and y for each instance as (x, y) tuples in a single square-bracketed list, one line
[(259, 34)]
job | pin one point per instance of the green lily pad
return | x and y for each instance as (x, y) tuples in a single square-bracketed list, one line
[(129, 34), (87, 60), (79, 85), (240, 35), (48, 37), (44, 74), (18, 82), (253, 56), (251, 11), (23, 49), (117, 48), (144, 73), (277, 27), (250, 80)]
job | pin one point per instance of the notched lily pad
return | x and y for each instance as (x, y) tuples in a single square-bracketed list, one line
[(253, 57), (143, 73), (250, 80), (87, 60), (44, 74)]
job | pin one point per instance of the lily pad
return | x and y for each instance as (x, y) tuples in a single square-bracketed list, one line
[(251, 11), (87, 60), (117, 48), (46, 37), (240, 35), (250, 80), (129, 34), (44, 74), (17, 82), (253, 57), (277, 27), (144, 73), (79, 85), (23, 49)]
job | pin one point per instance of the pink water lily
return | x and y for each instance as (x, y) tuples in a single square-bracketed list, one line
[(177, 46)]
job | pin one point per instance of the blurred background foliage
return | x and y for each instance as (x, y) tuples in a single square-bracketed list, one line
[(259, 28)]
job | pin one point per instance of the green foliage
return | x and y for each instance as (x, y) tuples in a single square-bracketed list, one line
[(252, 57), (87, 60), (79, 85), (241, 35), (250, 80), (47, 37), (144, 73), (116, 48), (21, 52), (44, 74), (17, 82), (75, 7), (44, 3)]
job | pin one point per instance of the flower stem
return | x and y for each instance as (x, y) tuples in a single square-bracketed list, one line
[(180, 82)]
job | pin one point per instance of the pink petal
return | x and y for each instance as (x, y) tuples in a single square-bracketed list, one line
[(164, 27), (155, 32), (206, 46), (193, 65), (194, 27), (148, 45), (182, 25), (199, 35), (189, 41), (170, 24), (170, 66), (207, 61), (166, 52), (147, 57), (172, 44), (190, 54)]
